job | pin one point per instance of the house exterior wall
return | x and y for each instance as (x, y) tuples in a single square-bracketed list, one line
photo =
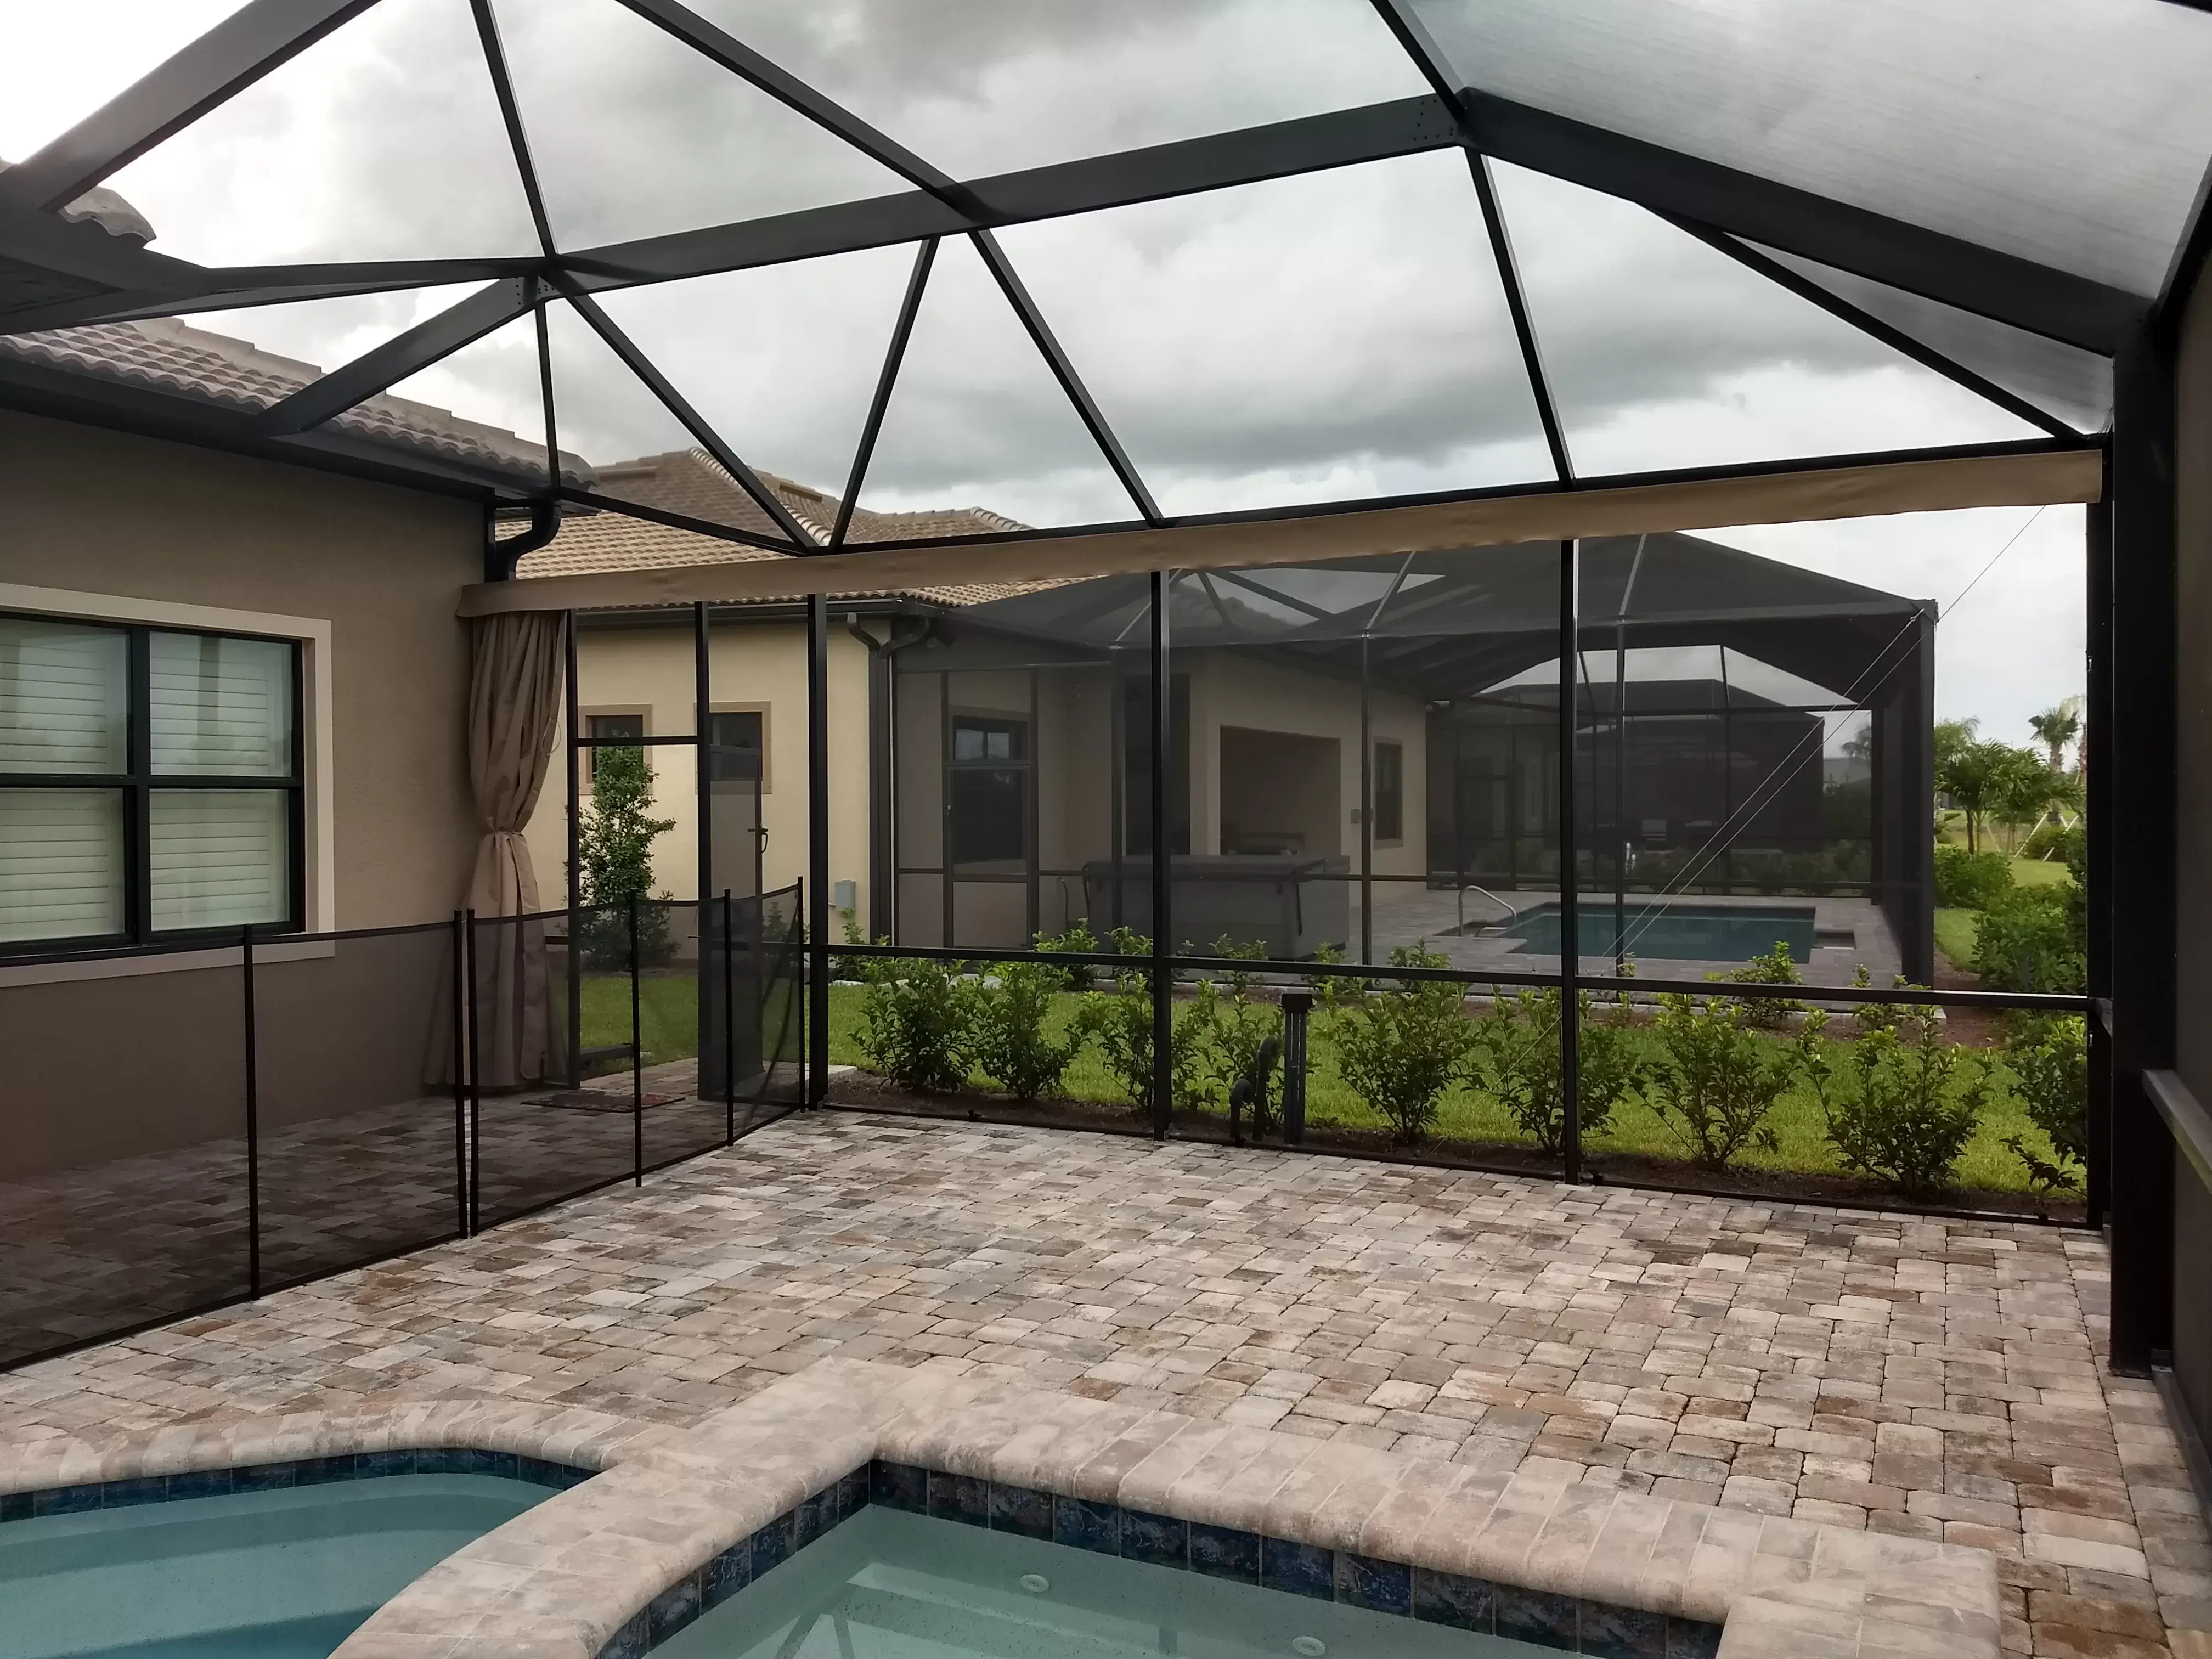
[(1231, 688), (648, 667), (110, 514), (110, 1060)]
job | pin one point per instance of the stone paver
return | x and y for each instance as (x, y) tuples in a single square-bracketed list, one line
[(1932, 1378)]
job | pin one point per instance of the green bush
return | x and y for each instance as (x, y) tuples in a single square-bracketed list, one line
[(2032, 939), (2049, 1059), (1232, 1038), (917, 1019), (1077, 940), (1120, 1021), (1902, 1107), (1713, 1084), (1399, 1048), (1007, 1041), (1776, 967), (1968, 881), (1516, 1063)]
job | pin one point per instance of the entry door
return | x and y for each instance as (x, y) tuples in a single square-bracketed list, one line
[(732, 962)]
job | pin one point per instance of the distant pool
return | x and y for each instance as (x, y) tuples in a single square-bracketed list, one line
[(281, 1574), (1695, 932)]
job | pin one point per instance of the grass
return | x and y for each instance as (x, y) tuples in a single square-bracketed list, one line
[(1954, 935), (667, 1010), (1468, 1115), (2038, 872)]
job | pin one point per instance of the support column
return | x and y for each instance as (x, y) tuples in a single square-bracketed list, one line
[(1163, 867), (1569, 883), (818, 848), (2140, 760)]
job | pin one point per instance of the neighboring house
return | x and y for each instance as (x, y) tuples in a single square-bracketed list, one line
[(990, 745)]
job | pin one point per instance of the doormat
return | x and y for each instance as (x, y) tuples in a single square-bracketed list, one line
[(598, 1100)]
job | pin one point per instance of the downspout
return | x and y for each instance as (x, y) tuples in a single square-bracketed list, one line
[(500, 556), (883, 739)]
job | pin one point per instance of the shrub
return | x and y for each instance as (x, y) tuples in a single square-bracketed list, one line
[(1077, 940), (1241, 1042), (1880, 1016), (2049, 1059), (1399, 1048), (917, 1019), (2032, 939), (1903, 1106), (849, 969), (1714, 1084), (1776, 967), (2046, 840), (1968, 881), (1516, 1063), (1120, 1020), (1007, 1041)]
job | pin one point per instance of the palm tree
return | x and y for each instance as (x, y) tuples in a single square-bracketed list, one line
[(2055, 727)]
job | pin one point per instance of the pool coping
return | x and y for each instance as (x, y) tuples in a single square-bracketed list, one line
[(581, 1571)]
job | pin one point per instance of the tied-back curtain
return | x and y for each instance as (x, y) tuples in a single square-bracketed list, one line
[(514, 712)]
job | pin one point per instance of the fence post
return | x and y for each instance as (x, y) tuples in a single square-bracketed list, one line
[(729, 1020), (252, 1116), (636, 1062), (1296, 1004), (460, 1080), (468, 974)]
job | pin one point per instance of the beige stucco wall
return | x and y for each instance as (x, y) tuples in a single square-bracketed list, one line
[(1229, 689), (648, 668), (104, 512)]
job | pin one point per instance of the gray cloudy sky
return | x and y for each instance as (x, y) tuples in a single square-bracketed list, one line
[(1315, 338)]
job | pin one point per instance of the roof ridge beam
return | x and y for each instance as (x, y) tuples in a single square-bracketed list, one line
[(2055, 304)]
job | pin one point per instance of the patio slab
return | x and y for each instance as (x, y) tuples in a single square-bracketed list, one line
[(1935, 1379)]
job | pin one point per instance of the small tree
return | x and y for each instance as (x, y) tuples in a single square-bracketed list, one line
[(1986, 778), (615, 858), (2055, 727)]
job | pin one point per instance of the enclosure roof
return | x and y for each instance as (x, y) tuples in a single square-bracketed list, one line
[(1107, 267)]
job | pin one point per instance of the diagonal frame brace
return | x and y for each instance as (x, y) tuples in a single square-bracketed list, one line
[(1086, 408), (901, 330), (710, 439)]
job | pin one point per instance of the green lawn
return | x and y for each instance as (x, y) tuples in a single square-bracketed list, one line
[(2038, 872), (667, 1007), (1468, 1114), (1954, 935)]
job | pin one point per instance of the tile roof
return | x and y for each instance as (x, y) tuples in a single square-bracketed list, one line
[(691, 482), (166, 354)]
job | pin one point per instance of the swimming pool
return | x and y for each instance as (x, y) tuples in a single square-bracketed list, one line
[(1694, 932), (279, 1572), (889, 1584)]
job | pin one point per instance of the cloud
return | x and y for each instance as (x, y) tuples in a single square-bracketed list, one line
[(1325, 338)]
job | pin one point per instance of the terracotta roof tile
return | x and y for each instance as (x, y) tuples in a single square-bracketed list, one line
[(168, 355), (693, 483)]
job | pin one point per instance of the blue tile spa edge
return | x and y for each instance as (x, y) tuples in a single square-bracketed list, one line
[(1565, 1623), (299, 1472)]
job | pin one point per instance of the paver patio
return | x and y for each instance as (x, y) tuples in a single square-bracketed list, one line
[(1933, 1377)]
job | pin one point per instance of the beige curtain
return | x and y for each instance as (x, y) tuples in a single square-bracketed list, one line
[(515, 714)]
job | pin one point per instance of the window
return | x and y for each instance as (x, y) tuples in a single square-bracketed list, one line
[(150, 783), (734, 753), (1390, 791), (989, 794), (609, 729)]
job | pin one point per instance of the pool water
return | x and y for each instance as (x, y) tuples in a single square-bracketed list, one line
[(1693, 932), (888, 1584), (282, 1574)]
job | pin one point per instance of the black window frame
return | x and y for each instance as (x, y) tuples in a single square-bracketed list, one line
[(138, 783)]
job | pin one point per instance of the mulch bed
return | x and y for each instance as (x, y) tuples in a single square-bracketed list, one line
[(863, 1091)]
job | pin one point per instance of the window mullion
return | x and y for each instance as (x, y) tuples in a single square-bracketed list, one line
[(137, 805)]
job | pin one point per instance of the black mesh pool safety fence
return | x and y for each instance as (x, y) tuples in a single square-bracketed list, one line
[(193, 1125)]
